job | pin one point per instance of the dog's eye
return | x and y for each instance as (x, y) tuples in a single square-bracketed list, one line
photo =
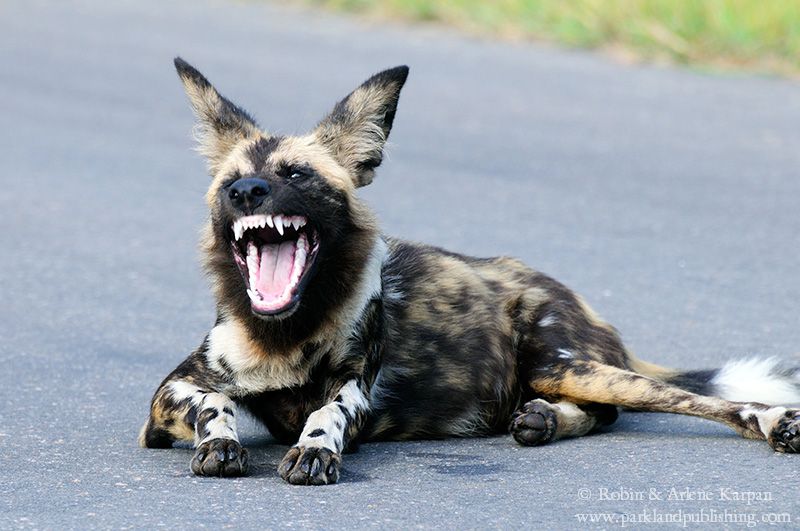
[(296, 173)]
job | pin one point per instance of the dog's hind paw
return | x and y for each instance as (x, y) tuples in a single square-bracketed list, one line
[(785, 436), (534, 424), (220, 457)]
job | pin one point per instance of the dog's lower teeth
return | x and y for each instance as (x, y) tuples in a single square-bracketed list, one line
[(273, 270), (253, 263)]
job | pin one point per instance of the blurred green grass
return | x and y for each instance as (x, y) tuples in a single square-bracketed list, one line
[(759, 35)]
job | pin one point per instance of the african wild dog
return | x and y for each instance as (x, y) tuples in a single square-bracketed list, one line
[(331, 333)]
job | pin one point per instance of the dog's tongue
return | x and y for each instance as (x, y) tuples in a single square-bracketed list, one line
[(275, 270)]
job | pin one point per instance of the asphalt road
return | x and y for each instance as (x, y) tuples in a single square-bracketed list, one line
[(668, 198)]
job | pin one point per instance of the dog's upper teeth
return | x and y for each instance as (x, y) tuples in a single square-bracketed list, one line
[(278, 222)]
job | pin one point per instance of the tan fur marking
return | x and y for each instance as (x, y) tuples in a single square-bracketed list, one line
[(255, 369), (650, 369), (363, 136), (604, 384), (236, 160), (142, 433), (589, 312), (571, 421), (308, 150), (214, 144)]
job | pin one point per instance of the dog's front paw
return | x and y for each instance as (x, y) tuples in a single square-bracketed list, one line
[(785, 435), (220, 457), (304, 465)]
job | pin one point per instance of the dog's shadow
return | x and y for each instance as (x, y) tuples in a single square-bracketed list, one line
[(364, 464), (266, 453), (458, 458)]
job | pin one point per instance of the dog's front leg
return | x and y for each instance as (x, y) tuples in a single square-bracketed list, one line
[(188, 406), (316, 458)]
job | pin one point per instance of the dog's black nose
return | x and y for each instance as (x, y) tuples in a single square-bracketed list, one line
[(248, 194)]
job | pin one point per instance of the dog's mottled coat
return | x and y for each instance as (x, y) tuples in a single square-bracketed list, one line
[(387, 339)]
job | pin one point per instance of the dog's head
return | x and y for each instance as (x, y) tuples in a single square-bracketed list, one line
[(287, 238)]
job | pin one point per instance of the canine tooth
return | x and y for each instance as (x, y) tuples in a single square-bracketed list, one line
[(254, 294), (279, 224), (237, 230), (269, 222)]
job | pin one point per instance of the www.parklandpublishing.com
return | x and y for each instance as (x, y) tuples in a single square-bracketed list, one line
[(683, 518)]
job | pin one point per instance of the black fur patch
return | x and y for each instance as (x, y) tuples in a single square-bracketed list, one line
[(261, 150), (695, 381)]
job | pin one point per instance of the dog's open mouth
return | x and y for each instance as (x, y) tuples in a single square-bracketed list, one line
[(274, 255)]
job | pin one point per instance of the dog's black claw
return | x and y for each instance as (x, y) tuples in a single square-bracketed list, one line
[(310, 466)]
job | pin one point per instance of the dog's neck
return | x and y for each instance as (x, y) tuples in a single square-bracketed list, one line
[(280, 338), (367, 288)]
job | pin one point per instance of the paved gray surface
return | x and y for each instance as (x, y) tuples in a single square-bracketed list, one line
[(668, 198)]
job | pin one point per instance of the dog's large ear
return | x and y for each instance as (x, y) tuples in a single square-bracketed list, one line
[(220, 124), (359, 125)]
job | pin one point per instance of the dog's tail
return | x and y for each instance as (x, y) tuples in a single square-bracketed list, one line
[(764, 380)]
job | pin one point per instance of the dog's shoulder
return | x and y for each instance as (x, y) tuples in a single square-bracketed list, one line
[(413, 266)]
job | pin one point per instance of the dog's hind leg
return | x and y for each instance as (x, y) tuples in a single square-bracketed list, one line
[(584, 381), (565, 352), (540, 422)]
